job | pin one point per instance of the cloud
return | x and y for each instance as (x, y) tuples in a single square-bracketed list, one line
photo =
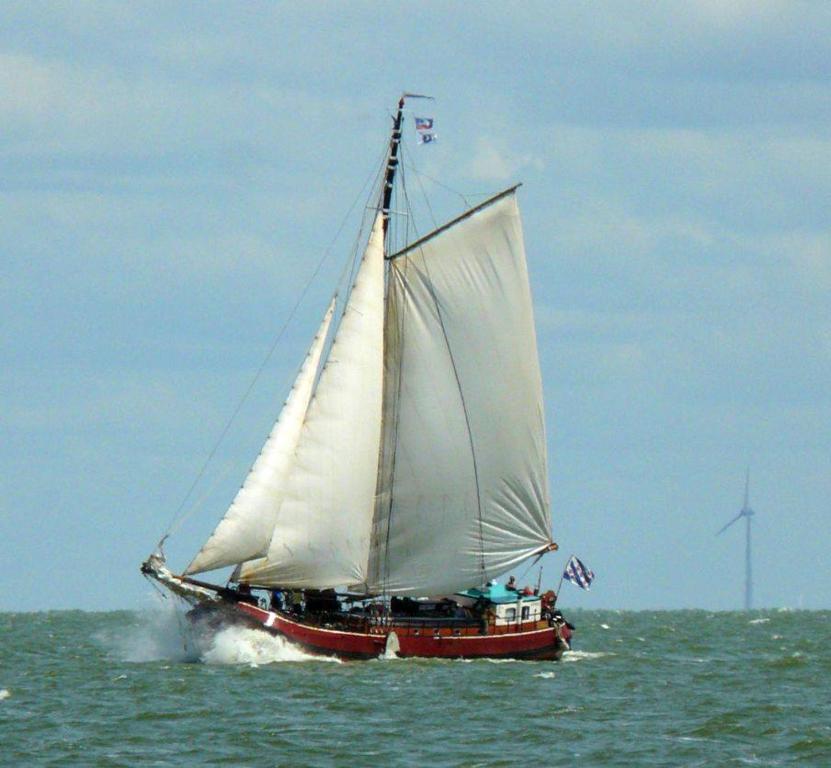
[(493, 160), (54, 107)]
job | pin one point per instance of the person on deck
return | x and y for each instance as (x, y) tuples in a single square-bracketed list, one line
[(511, 584), (244, 594), (276, 600), (547, 603)]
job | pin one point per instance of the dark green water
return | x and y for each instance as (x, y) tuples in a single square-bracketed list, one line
[(647, 688)]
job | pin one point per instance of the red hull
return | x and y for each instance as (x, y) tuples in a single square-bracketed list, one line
[(534, 640)]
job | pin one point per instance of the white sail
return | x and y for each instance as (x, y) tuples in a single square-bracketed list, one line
[(322, 538), (463, 493), (246, 529)]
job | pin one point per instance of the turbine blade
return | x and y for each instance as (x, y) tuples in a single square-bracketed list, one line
[(729, 524)]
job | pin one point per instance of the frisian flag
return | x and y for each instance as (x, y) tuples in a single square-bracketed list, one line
[(577, 573), (424, 130)]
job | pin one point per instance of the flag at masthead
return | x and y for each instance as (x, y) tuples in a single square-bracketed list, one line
[(392, 157)]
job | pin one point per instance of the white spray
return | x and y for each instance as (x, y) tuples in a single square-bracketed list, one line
[(166, 634)]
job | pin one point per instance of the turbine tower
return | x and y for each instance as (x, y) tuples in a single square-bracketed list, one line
[(747, 513)]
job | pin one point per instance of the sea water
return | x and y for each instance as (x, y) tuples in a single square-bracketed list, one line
[(688, 688)]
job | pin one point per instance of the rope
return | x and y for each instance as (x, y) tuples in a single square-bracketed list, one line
[(451, 356), (525, 572), (179, 518), (411, 223), (464, 196)]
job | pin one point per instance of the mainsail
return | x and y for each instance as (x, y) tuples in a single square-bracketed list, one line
[(246, 529), (463, 492), (323, 532)]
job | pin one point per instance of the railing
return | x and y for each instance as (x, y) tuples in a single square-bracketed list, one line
[(369, 623)]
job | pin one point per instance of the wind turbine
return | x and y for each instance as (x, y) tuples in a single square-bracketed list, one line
[(746, 513)]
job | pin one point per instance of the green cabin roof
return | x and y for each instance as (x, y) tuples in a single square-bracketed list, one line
[(498, 593)]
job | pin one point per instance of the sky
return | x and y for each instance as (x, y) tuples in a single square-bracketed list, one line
[(171, 175)]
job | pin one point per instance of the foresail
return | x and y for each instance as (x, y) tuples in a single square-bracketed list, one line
[(463, 491), (322, 538), (246, 529)]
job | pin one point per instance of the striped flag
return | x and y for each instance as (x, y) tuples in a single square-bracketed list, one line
[(577, 573)]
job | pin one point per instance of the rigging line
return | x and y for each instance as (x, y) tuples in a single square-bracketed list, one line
[(389, 427), (354, 261), (396, 409), (402, 199), (446, 187), (533, 563), (351, 266), (183, 629), (347, 275), (156, 587), (392, 436), (178, 517), (453, 222), (464, 409), (197, 505), (393, 433), (421, 188), (467, 421)]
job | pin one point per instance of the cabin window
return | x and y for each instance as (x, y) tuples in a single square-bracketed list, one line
[(510, 614), (526, 611)]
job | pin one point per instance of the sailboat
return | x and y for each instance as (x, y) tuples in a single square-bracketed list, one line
[(407, 469)]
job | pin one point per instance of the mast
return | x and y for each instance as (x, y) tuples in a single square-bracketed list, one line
[(392, 158), (385, 203), (392, 164)]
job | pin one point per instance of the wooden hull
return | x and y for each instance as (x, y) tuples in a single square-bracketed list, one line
[(536, 640)]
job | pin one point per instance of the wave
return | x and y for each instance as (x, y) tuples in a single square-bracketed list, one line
[(585, 655), (242, 645)]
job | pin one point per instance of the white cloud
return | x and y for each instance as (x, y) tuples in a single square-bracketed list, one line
[(492, 160), (52, 107)]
